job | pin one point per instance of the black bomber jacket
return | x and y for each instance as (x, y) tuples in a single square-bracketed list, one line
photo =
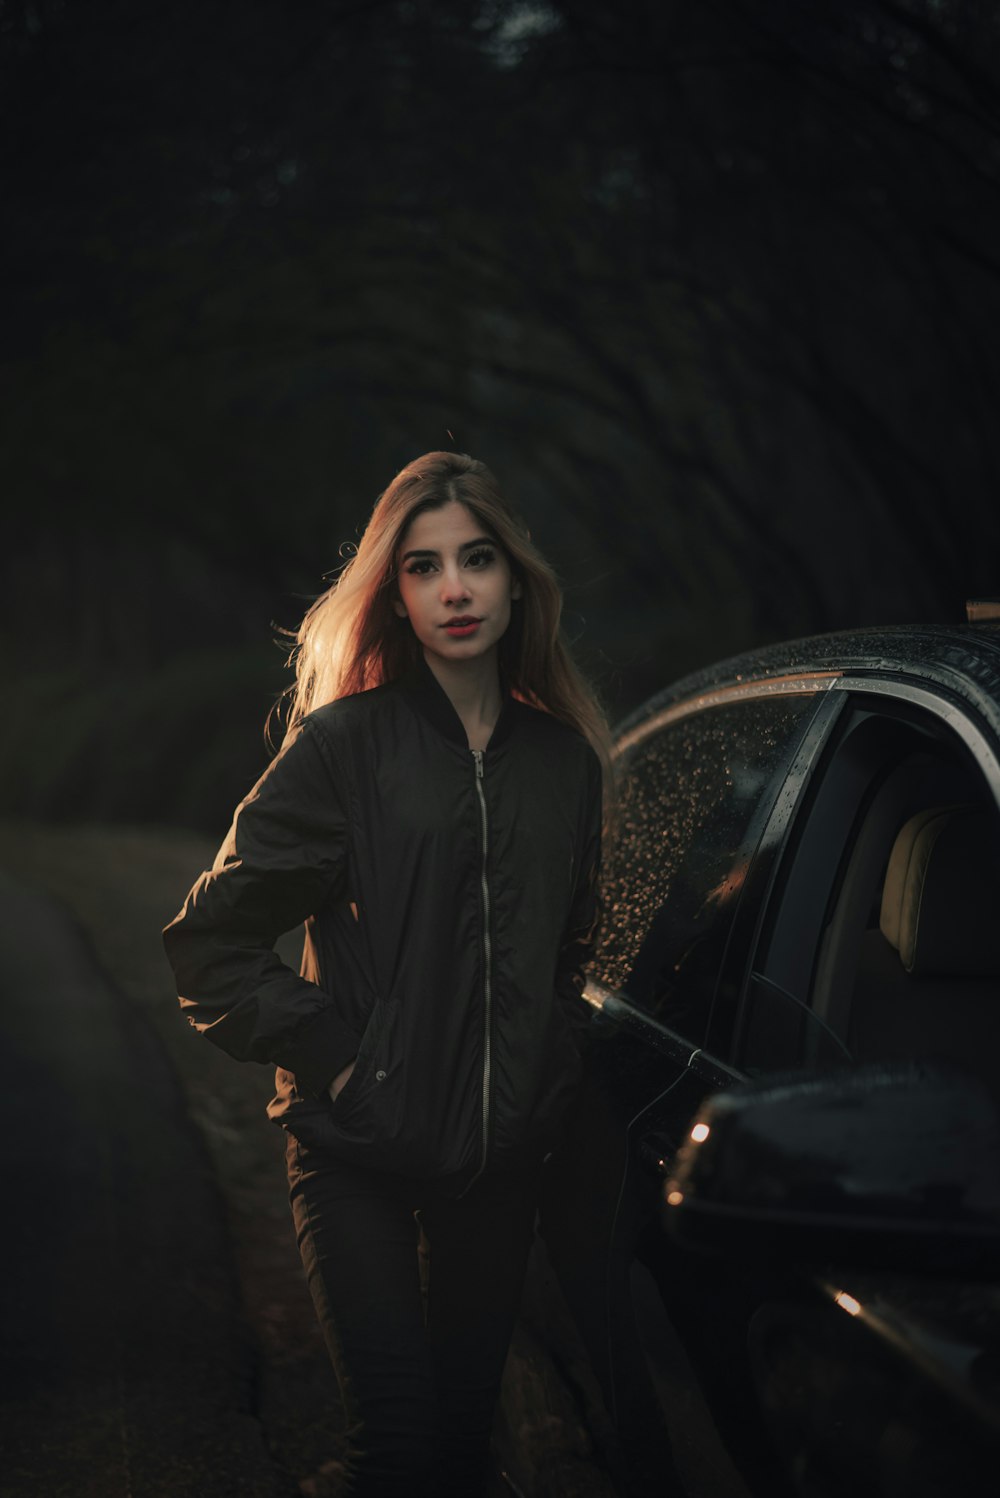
[(449, 900)]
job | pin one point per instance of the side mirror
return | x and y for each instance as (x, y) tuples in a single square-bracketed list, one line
[(882, 1166)]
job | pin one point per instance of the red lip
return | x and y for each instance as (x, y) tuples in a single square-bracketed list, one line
[(463, 624)]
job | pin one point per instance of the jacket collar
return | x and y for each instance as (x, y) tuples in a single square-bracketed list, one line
[(426, 694)]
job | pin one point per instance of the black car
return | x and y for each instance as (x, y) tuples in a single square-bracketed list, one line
[(785, 1165)]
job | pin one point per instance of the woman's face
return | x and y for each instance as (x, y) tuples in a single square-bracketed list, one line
[(455, 584)]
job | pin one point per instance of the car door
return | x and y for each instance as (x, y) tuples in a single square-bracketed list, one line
[(877, 943), (706, 784)]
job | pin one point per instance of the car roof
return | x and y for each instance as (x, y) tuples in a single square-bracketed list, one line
[(961, 659)]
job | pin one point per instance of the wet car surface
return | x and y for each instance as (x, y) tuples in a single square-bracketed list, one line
[(802, 891)]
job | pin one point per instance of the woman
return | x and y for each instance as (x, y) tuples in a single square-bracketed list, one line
[(434, 817)]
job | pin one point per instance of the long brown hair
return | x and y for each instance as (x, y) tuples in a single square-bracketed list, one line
[(351, 638)]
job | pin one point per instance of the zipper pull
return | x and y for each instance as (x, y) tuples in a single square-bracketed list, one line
[(477, 755)]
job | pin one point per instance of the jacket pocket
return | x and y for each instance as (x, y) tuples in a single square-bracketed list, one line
[(370, 1063)]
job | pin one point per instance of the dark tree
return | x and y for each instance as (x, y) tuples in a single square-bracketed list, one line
[(714, 287)]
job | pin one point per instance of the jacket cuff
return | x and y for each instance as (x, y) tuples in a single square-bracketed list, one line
[(320, 1049)]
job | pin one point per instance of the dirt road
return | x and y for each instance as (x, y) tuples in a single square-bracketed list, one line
[(128, 1367)]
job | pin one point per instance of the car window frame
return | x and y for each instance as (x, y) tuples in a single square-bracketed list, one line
[(762, 871), (954, 712), (762, 841)]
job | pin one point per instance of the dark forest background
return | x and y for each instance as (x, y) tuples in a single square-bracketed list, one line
[(714, 287)]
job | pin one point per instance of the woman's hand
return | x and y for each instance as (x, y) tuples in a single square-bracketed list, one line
[(337, 1085)]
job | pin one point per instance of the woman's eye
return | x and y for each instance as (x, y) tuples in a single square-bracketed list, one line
[(420, 567), (481, 558)]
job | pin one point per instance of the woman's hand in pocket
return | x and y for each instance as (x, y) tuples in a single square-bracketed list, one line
[(337, 1085)]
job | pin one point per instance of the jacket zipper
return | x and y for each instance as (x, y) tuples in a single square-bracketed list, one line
[(477, 755)]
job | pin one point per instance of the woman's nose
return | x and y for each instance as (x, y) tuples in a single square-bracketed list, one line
[(453, 588)]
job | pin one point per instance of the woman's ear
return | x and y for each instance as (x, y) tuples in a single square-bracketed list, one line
[(400, 607), (516, 590)]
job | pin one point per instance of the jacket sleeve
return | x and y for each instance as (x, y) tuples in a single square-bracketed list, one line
[(284, 857), (585, 915)]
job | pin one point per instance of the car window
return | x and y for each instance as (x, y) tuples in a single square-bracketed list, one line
[(880, 942), (693, 797)]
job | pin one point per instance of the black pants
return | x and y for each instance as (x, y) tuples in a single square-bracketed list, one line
[(419, 1385)]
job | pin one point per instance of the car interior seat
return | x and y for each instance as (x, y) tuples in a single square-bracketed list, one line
[(928, 985), (902, 791)]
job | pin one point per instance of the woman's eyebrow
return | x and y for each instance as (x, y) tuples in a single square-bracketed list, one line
[(465, 546)]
